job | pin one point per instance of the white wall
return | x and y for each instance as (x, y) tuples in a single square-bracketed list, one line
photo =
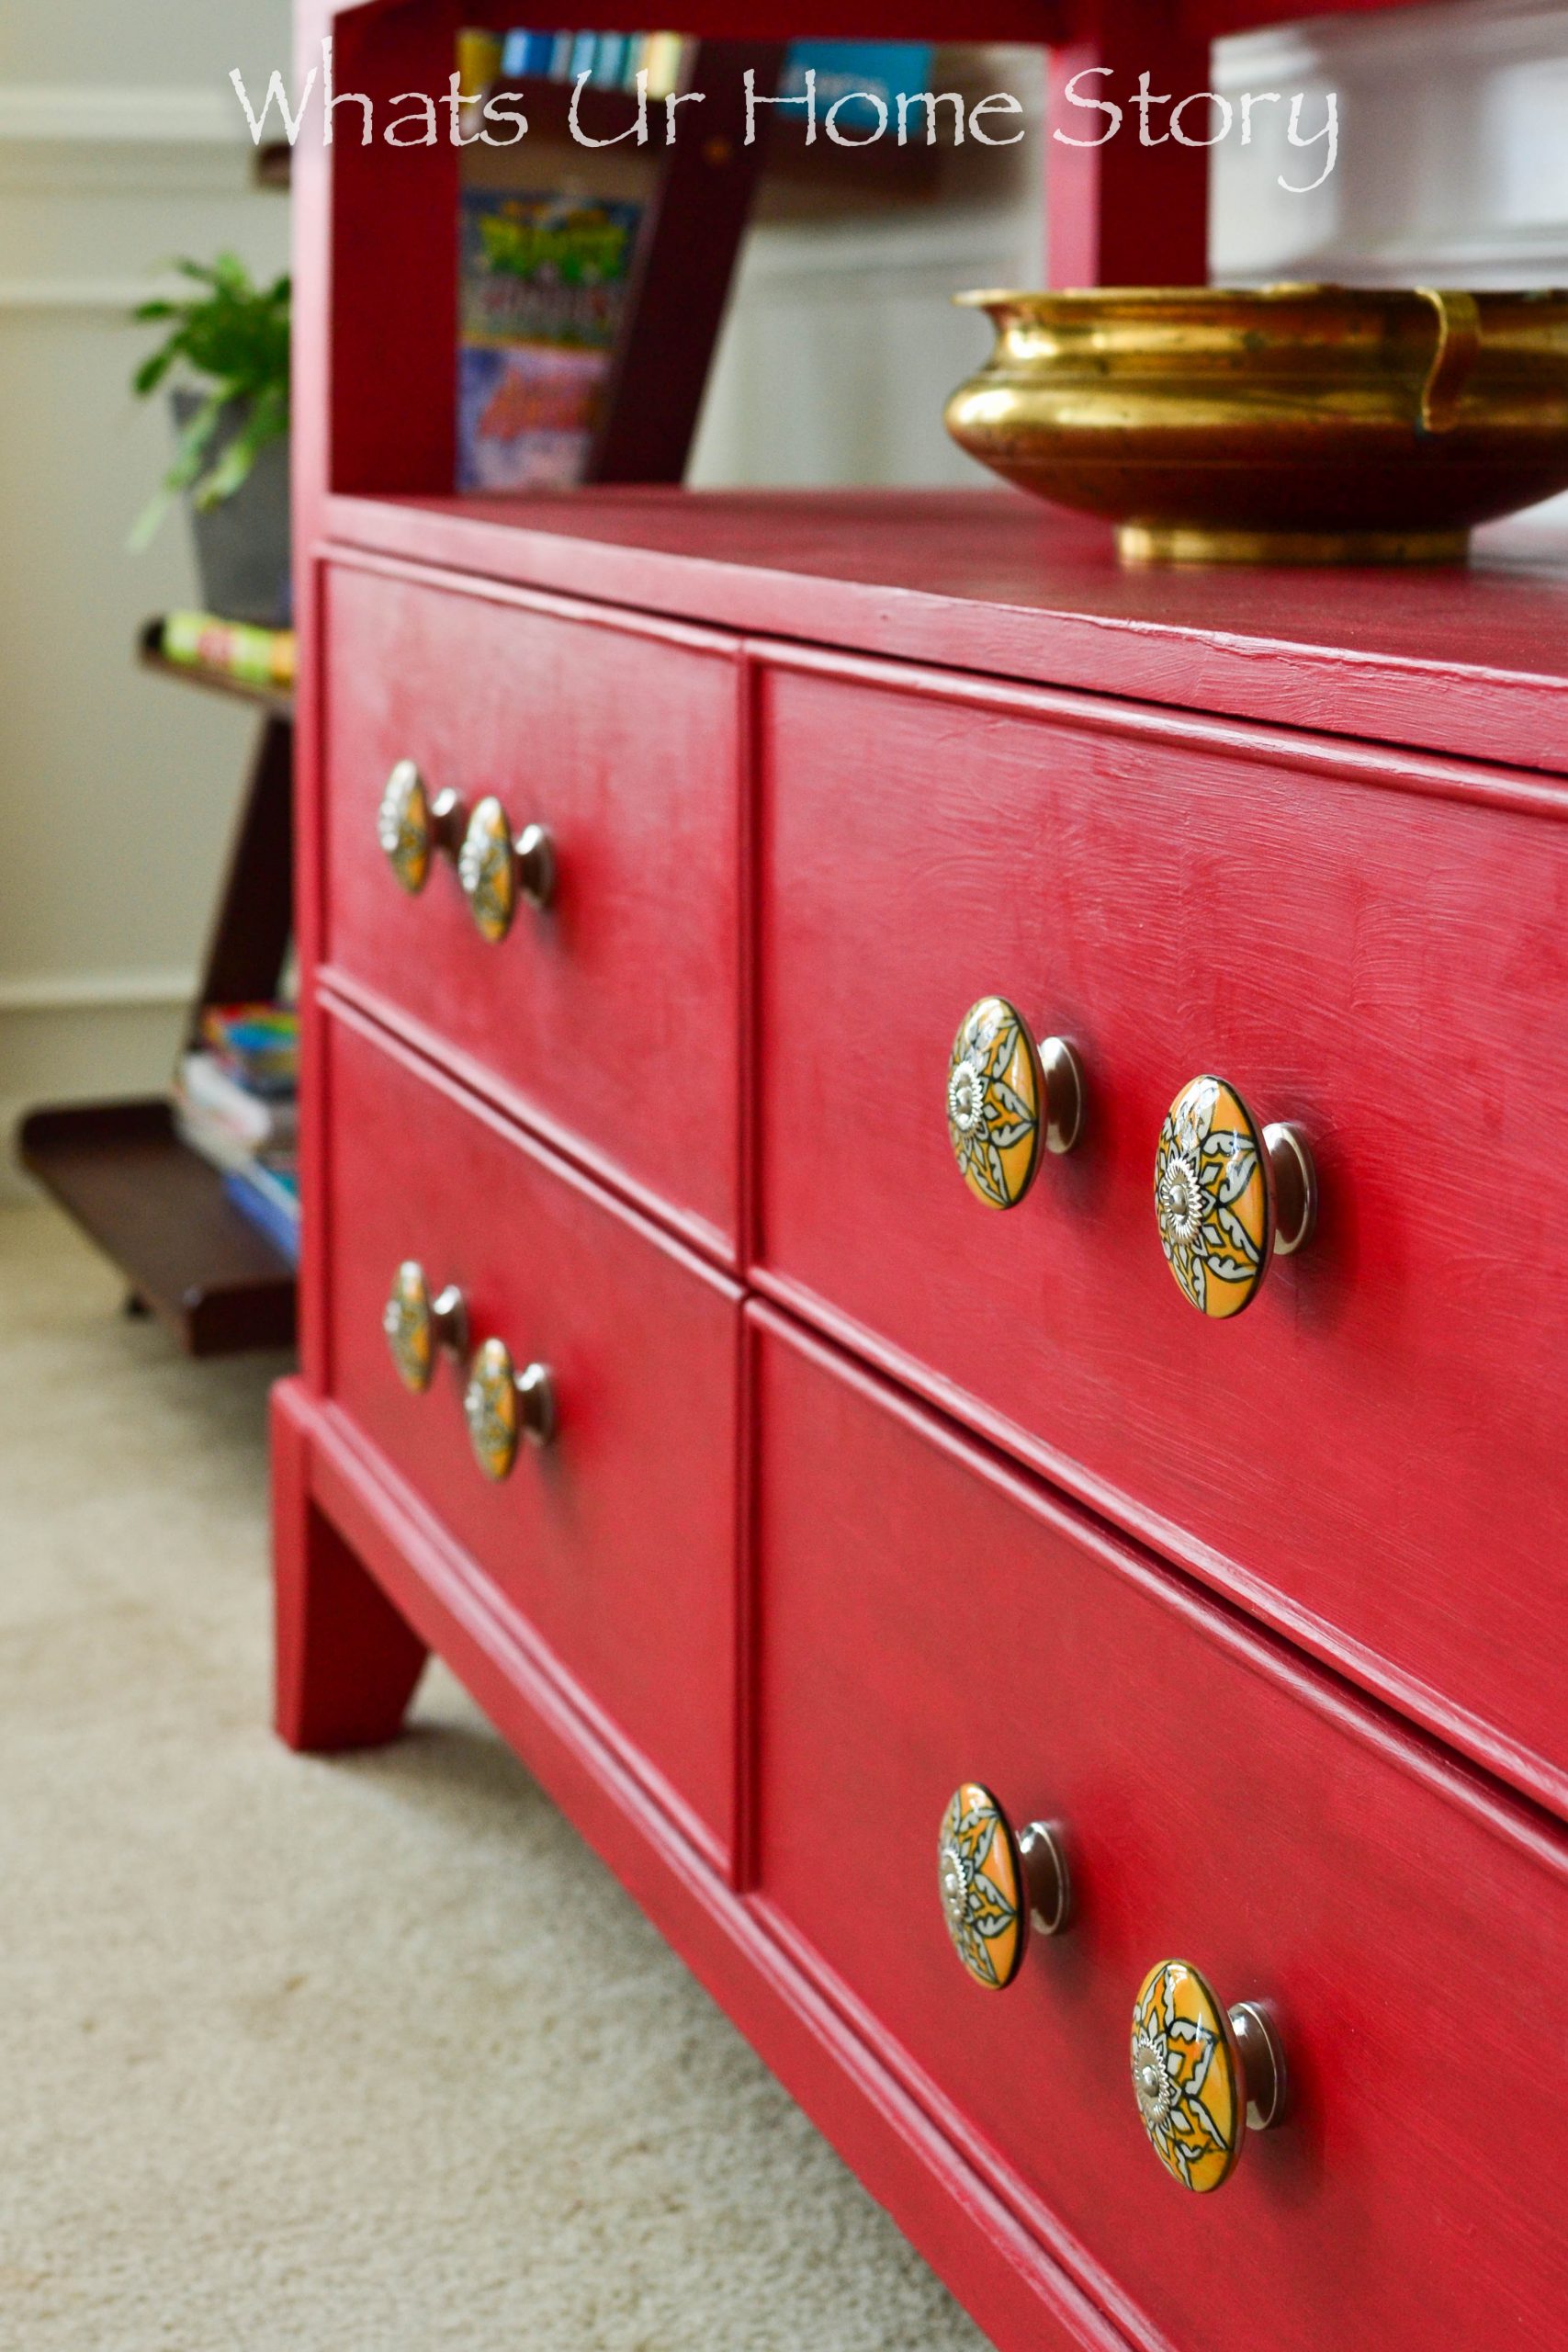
[(1453, 165), (119, 146), (843, 343)]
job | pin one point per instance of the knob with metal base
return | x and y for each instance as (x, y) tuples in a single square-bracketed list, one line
[(496, 869), (417, 1326), (1203, 2075), (1006, 1097), (1229, 1195), (413, 828), (505, 1407), (998, 1887)]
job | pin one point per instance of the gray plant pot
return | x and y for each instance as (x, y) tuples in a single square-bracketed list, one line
[(242, 545)]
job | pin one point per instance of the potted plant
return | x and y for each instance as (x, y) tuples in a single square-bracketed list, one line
[(227, 349)]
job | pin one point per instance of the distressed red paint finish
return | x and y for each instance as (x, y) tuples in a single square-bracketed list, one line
[(812, 1544)]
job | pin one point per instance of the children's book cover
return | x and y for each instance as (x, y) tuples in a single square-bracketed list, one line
[(543, 282)]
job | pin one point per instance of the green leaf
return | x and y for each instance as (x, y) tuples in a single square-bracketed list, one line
[(152, 372), (232, 335)]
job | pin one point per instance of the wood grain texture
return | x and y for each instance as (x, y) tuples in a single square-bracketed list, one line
[(1372, 1454), (1473, 663), (1016, 2290), (613, 1013), (1176, 892), (618, 1542), (929, 1616)]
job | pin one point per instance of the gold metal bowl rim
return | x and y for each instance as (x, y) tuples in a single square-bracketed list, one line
[(1202, 298)]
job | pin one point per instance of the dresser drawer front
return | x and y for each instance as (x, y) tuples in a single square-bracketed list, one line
[(1373, 1452), (928, 1619), (617, 1541), (612, 1015)]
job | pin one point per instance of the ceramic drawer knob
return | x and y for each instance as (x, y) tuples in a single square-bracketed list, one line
[(412, 827), (496, 870), (1006, 1096), (504, 1406), (998, 1887), (1203, 2075), (417, 1325), (1229, 1195)]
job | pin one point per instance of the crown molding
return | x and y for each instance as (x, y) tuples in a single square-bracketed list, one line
[(71, 993)]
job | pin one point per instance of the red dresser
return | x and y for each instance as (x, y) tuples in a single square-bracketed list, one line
[(822, 1010)]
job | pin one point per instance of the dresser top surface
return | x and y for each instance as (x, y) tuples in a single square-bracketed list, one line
[(1473, 663)]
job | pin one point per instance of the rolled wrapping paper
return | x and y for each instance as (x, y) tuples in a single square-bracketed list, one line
[(202, 640)]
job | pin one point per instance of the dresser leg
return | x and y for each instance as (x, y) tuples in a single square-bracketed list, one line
[(345, 1662)]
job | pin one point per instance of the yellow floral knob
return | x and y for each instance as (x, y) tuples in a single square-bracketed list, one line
[(504, 1406), (1203, 2074), (1229, 1195), (416, 1325), (495, 870), (1005, 1097), (412, 827), (996, 1887)]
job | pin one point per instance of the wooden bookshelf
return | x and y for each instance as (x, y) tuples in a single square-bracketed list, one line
[(155, 1208), (160, 1212), (150, 654)]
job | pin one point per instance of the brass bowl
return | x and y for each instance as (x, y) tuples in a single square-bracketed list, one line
[(1283, 424)]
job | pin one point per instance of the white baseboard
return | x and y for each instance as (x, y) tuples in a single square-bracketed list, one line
[(72, 1037), (90, 991)]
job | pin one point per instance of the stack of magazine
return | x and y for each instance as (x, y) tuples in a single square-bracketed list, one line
[(236, 1102)]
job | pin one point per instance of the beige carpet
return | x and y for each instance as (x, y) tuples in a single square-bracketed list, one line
[(297, 2054)]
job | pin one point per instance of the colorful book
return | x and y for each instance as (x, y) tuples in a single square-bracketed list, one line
[(478, 62), (663, 64), (610, 60), (526, 54), (220, 1104), (858, 77), (258, 1045), (543, 282), (269, 1197)]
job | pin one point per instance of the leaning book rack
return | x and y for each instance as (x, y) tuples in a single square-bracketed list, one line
[(155, 1207)]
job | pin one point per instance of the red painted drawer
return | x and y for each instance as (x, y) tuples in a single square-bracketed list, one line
[(1373, 1453), (618, 1540), (929, 1617), (612, 1017)]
